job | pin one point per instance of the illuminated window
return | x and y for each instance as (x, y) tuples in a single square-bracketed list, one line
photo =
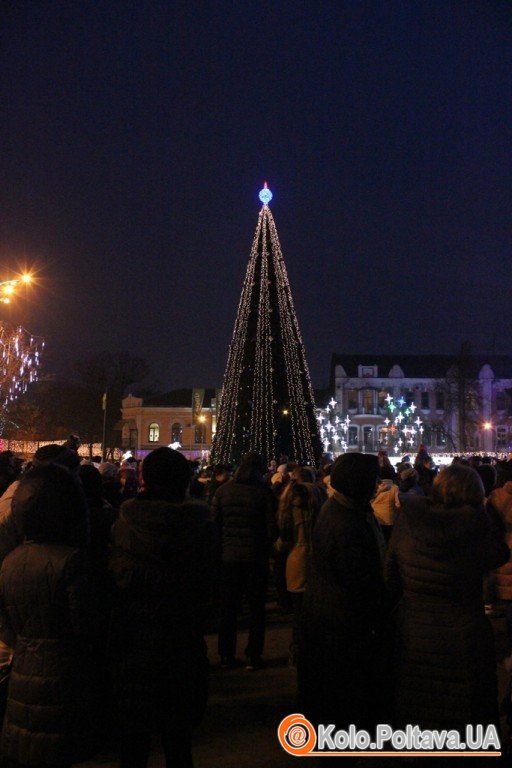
[(367, 400), (352, 399), (501, 437), (154, 433), (368, 438), (176, 432), (200, 434), (440, 436)]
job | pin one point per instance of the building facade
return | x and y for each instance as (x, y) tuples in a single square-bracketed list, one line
[(183, 418), (454, 403)]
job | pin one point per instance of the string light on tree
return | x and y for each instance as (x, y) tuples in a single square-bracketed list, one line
[(267, 402)]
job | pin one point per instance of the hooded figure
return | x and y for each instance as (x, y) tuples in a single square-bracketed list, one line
[(344, 602), (48, 618), (162, 563), (445, 669)]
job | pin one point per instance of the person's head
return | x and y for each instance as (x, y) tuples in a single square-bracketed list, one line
[(488, 477), (457, 486), (108, 471), (408, 474), (221, 473), (10, 467), (252, 468), (91, 483), (167, 472), (304, 475), (355, 475), (49, 506), (57, 454)]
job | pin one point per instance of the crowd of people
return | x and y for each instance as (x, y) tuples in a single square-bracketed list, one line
[(108, 572)]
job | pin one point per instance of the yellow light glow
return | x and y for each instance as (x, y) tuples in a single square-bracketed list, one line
[(202, 418), (26, 278), (285, 412), (8, 288), (487, 425)]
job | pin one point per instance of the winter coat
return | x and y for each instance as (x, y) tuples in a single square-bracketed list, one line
[(386, 502), (246, 517), (162, 564), (47, 613), (445, 670), (343, 611), (10, 537), (501, 501), (296, 525)]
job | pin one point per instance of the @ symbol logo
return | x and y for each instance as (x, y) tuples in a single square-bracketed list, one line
[(296, 735)]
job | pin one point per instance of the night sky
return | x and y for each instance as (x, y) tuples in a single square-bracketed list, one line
[(135, 137)]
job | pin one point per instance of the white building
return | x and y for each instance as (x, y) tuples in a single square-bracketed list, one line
[(451, 396)]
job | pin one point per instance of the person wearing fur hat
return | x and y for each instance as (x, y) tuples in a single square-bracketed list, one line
[(162, 563), (344, 602)]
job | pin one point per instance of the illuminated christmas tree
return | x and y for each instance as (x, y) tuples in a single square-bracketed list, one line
[(267, 402)]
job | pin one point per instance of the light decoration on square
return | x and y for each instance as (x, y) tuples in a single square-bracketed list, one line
[(333, 429), (20, 357)]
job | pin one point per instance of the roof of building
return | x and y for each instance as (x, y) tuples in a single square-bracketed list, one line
[(421, 366), (178, 398)]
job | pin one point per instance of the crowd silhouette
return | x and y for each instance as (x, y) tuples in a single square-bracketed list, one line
[(391, 575)]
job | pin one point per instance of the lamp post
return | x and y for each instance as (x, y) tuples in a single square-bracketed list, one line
[(201, 419)]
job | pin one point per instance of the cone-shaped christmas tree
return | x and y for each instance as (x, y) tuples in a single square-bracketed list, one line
[(267, 402)]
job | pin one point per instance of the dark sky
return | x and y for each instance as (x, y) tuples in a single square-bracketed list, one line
[(135, 137)]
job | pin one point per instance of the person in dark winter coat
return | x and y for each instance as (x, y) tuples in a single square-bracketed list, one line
[(344, 602), (445, 670), (162, 561), (47, 615), (245, 512)]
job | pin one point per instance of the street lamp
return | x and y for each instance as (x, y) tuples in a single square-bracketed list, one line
[(8, 287), (201, 419)]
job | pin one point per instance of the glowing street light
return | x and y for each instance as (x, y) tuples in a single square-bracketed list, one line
[(8, 287)]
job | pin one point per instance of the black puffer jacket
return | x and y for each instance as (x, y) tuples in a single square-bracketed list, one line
[(162, 565), (246, 515), (445, 664), (47, 611), (342, 616)]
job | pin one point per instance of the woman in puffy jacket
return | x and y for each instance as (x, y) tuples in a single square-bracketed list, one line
[(445, 671), (47, 615)]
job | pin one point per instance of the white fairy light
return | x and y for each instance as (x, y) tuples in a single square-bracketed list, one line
[(266, 338)]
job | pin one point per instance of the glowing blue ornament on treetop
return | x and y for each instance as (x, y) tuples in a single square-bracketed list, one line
[(265, 194)]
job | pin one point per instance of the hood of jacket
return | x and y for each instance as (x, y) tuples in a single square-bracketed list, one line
[(155, 527)]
